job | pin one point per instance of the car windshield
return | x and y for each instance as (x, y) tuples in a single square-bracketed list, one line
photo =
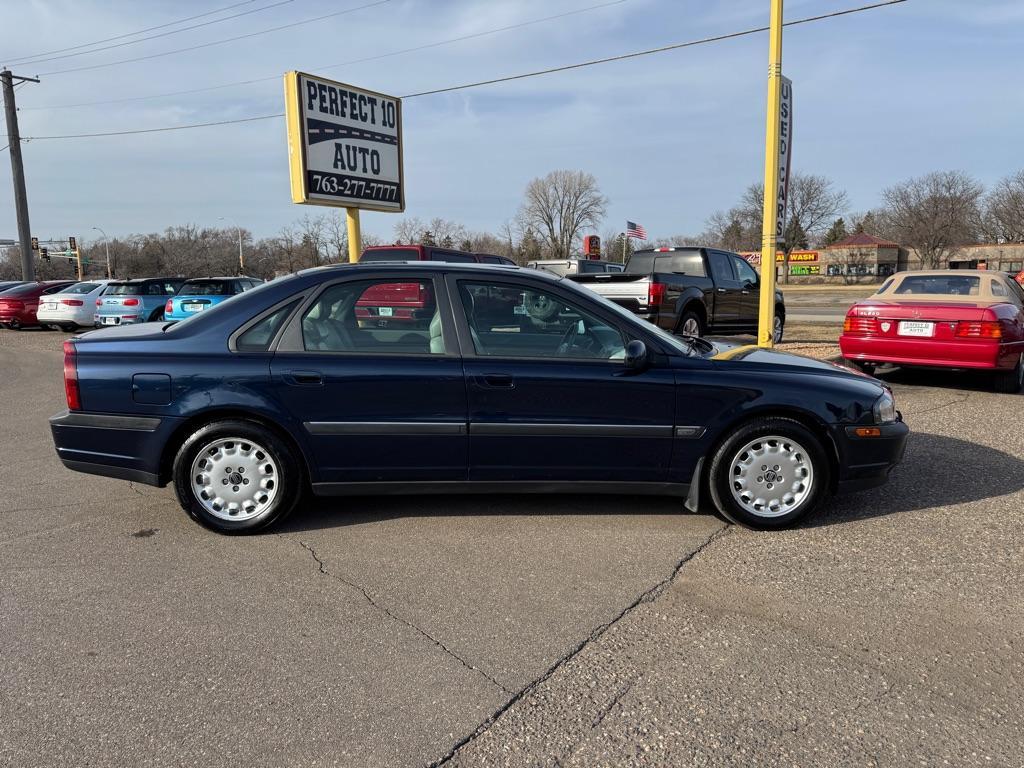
[(390, 254), (124, 289), (940, 285), (206, 288), (82, 288)]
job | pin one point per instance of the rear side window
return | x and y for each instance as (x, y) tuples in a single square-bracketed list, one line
[(124, 289), (206, 288), (451, 257), (721, 267), (81, 288), (490, 259), (390, 254), (261, 336)]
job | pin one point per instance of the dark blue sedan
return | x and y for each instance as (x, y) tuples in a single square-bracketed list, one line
[(303, 382)]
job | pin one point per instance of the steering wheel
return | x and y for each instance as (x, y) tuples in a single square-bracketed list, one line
[(571, 338)]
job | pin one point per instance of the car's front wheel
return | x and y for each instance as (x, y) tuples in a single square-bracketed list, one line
[(237, 476), (769, 473)]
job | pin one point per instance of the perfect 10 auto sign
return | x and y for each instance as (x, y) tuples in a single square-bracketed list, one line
[(344, 144)]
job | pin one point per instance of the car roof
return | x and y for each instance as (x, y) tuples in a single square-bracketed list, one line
[(983, 296), (432, 266), (135, 280)]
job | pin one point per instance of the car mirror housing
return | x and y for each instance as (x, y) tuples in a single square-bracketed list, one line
[(636, 355)]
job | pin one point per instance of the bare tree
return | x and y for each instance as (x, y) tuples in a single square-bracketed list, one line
[(560, 206), (936, 214), (1003, 210), (408, 230)]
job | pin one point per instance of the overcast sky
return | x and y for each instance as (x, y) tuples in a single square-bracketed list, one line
[(672, 137)]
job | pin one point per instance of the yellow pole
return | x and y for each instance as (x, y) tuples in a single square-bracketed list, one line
[(355, 243), (766, 316)]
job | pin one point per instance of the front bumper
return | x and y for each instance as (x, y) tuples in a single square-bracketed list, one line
[(865, 462), (113, 445)]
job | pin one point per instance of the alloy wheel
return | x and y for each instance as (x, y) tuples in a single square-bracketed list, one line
[(771, 476), (234, 478)]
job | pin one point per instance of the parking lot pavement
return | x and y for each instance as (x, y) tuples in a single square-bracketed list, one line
[(529, 631)]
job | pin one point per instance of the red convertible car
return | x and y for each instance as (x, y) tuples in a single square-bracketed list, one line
[(943, 319)]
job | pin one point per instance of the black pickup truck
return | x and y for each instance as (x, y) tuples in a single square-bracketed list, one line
[(689, 290)]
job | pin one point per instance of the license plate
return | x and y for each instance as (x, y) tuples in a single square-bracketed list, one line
[(385, 311), (109, 320), (915, 328), (193, 307), (48, 306)]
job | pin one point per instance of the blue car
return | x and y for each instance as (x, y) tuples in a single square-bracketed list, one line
[(202, 293), (288, 387), (126, 302)]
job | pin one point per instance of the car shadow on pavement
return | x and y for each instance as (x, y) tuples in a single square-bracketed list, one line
[(937, 471), (319, 513), (919, 377)]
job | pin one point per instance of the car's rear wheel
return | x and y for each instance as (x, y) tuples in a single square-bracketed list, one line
[(237, 476), (691, 324), (157, 315), (769, 473), (1010, 382)]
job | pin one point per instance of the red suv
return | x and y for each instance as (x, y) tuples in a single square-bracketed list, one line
[(18, 305), (409, 303)]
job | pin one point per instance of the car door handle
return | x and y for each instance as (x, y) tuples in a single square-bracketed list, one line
[(721, 290), (304, 378), (746, 292), (497, 380)]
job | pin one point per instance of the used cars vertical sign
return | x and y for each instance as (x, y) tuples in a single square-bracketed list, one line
[(785, 157), (344, 144)]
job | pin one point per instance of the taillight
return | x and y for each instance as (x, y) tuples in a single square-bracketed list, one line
[(71, 377), (99, 302), (130, 302), (72, 302), (169, 306), (13, 304), (863, 325), (982, 329), (655, 294)]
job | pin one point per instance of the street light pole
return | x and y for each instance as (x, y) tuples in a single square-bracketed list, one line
[(106, 247), (241, 257)]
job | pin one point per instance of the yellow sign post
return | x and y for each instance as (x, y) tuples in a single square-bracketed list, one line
[(769, 226)]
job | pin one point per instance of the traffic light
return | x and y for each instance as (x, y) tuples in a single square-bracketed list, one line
[(71, 244), (44, 253), (35, 243)]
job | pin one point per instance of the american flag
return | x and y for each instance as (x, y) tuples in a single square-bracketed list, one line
[(635, 230)]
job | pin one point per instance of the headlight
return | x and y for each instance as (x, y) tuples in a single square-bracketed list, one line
[(885, 408)]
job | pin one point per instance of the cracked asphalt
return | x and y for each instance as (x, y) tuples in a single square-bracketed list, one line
[(580, 631)]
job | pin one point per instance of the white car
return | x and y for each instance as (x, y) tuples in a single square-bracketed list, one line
[(74, 307)]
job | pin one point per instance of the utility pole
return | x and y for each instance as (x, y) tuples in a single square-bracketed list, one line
[(766, 315), (28, 264)]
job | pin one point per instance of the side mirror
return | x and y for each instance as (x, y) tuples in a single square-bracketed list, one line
[(636, 356)]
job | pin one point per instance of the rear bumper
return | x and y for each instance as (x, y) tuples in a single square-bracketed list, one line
[(926, 353), (865, 462), (113, 445), (66, 315), (118, 319)]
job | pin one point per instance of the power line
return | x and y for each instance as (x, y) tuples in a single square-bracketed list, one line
[(216, 42), (132, 34), (426, 46), (161, 34), (537, 73)]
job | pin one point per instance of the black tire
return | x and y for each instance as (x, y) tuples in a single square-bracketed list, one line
[(721, 476), (779, 327), (288, 478), (1009, 382), (540, 306), (691, 317), (157, 316)]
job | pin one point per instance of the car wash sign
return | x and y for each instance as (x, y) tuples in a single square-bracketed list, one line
[(344, 144)]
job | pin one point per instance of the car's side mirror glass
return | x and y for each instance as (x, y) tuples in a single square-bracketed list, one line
[(635, 358)]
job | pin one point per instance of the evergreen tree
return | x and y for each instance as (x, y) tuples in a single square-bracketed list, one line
[(836, 232), (466, 245), (427, 238), (447, 242), (795, 237)]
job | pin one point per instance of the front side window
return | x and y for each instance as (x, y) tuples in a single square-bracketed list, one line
[(744, 271), (383, 316), (508, 320)]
